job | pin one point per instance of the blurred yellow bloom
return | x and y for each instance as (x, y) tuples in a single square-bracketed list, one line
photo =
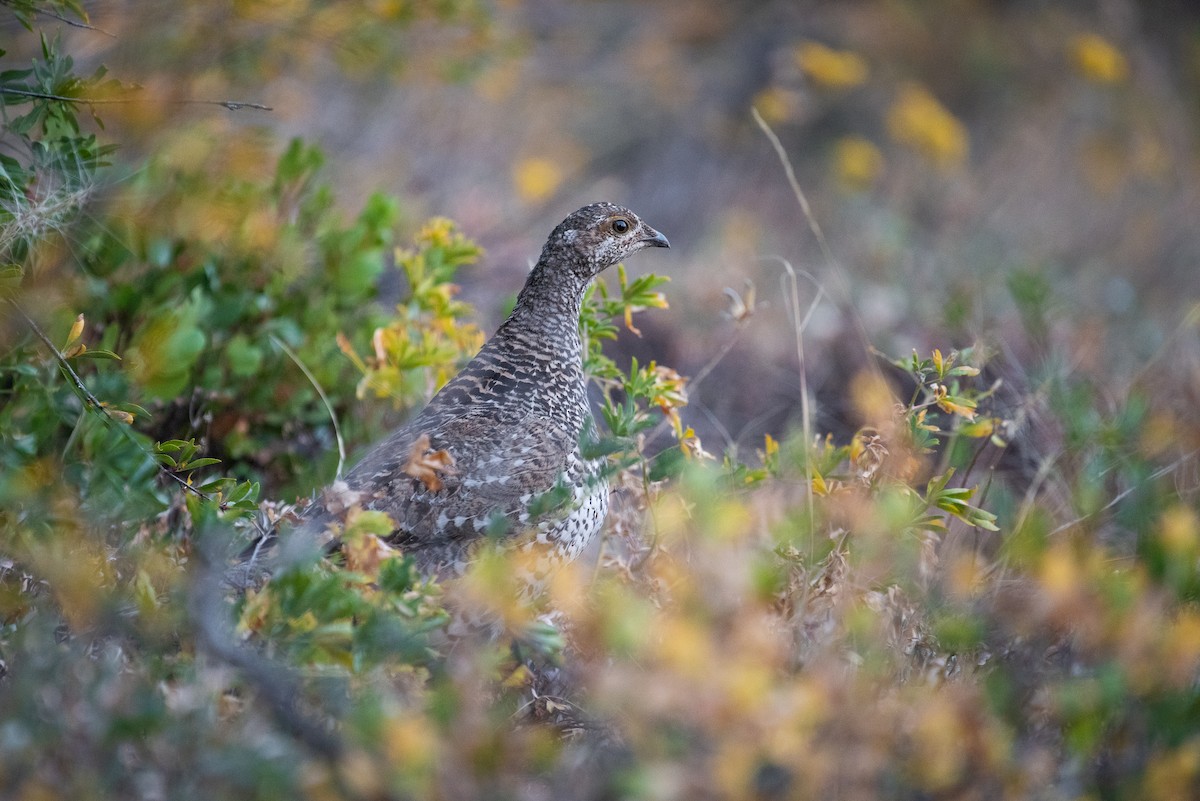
[(857, 162), (872, 398), (684, 646), (918, 120), (408, 740), (437, 232), (1060, 573), (271, 10), (938, 734), (775, 104), (1180, 531), (829, 68), (536, 179), (389, 9), (1097, 59)]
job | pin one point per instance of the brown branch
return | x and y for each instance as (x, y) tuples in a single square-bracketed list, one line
[(232, 105), (276, 684)]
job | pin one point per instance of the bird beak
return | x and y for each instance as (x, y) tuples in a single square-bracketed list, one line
[(655, 239)]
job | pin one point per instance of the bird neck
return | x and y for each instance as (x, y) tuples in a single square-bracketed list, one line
[(548, 306)]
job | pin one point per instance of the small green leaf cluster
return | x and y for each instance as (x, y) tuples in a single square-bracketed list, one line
[(325, 616), (638, 399)]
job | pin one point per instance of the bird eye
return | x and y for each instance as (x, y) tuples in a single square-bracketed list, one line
[(620, 225)]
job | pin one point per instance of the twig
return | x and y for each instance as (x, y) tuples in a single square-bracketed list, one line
[(792, 302), (90, 401), (703, 372), (88, 397), (337, 431), (232, 105), (700, 375), (275, 682), (73, 23), (813, 225), (1162, 471)]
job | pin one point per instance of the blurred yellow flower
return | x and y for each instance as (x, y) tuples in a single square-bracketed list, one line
[(829, 68), (1097, 59), (389, 9), (918, 120), (1180, 531), (536, 179), (438, 232), (857, 162), (408, 740), (775, 104)]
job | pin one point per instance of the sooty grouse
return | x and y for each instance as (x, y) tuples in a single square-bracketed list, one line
[(505, 432)]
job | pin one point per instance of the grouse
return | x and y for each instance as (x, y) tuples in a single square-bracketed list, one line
[(509, 430)]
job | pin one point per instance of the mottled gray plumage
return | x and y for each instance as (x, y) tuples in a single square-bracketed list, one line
[(511, 421)]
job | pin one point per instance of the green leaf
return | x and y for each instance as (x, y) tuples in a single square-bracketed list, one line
[(195, 464), (99, 354), (668, 464)]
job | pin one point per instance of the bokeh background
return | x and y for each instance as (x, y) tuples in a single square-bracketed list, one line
[(958, 156), (1010, 187)]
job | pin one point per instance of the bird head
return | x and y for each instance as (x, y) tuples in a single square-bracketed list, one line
[(598, 236)]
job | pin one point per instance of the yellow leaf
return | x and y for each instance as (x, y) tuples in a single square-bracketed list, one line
[(343, 342), (117, 414), (1180, 531), (957, 406), (629, 322), (76, 330), (437, 232), (254, 613), (366, 552), (980, 428), (520, 677), (689, 443), (304, 623)]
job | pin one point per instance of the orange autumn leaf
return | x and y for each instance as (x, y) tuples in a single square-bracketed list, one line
[(427, 465)]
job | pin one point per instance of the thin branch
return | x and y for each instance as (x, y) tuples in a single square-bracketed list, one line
[(88, 397), (844, 305), (717, 358), (792, 302), (73, 23), (813, 225), (232, 105), (665, 423), (1157, 474), (275, 683), (337, 430), (90, 400)]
